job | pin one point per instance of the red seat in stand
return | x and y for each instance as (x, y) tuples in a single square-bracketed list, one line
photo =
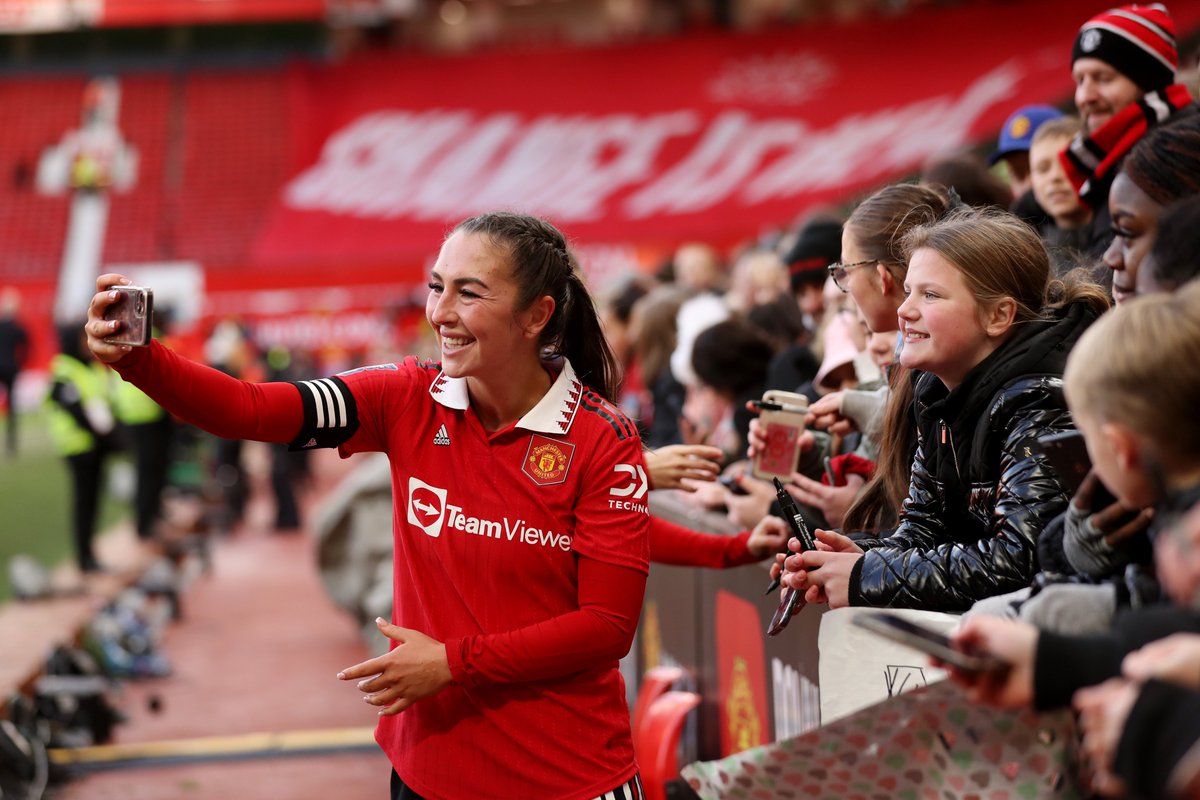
[(656, 682), (656, 741)]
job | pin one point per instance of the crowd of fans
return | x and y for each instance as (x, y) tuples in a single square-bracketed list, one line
[(940, 333)]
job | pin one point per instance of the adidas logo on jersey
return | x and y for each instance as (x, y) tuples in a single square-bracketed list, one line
[(442, 437)]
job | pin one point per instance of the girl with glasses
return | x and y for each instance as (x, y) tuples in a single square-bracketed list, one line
[(872, 272), (989, 332)]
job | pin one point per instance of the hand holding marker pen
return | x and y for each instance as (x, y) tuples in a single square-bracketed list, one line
[(793, 598), (795, 521)]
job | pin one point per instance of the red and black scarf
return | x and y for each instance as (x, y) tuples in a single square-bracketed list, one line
[(1092, 163)]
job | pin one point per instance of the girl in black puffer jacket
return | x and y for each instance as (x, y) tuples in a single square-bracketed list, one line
[(987, 332)]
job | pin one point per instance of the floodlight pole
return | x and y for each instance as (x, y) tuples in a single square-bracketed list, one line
[(89, 161)]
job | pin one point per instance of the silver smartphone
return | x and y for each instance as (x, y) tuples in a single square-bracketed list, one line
[(134, 309), (928, 641)]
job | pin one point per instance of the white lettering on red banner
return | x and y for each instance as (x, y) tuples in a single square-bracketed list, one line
[(434, 164), (431, 164), (886, 141)]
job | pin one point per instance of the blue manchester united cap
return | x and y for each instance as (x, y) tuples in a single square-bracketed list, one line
[(1017, 134)]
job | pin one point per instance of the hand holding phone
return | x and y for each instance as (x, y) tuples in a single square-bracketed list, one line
[(830, 475), (782, 422), (1067, 453), (134, 309), (927, 640)]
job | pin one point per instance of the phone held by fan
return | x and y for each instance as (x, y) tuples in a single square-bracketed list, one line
[(927, 640), (830, 474), (134, 309), (782, 421), (1068, 454)]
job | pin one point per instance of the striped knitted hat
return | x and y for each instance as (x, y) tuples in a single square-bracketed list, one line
[(1137, 41), (817, 246)]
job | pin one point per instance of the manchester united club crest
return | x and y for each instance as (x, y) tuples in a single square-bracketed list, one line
[(547, 460)]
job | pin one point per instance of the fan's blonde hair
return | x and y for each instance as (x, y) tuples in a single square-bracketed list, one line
[(1140, 365)]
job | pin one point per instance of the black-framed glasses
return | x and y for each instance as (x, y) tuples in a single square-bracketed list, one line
[(837, 270)]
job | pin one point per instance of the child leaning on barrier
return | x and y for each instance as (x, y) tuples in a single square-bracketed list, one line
[(1133, 392), (989, 330)]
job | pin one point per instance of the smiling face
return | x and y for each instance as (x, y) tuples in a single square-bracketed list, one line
[(941, 321), (1053, 191), (1135, 227), (1100, 92), (472, 309)]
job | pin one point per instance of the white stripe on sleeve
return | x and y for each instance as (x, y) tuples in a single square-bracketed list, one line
[(329, 401), (340, 400), (327, 393), (319, 402)]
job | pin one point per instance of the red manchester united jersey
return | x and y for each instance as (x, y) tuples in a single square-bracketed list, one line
[(489, 528)]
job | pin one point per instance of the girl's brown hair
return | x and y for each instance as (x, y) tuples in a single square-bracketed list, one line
[(878, 226), (1001, 256), (877, 506), (880, 222)]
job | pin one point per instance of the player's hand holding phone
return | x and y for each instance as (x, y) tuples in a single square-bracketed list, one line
[(119, 317)]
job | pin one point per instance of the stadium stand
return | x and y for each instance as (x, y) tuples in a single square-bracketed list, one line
[(32, 226), (235, 125)]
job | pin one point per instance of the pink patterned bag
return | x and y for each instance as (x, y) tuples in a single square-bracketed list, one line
[(930, 744)]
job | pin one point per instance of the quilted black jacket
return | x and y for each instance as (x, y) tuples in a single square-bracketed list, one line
[(981, 489)]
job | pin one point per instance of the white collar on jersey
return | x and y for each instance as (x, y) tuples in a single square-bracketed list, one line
[(553, 413)]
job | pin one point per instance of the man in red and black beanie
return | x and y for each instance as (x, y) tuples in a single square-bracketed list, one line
[(1123, 63), (818, 244)]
